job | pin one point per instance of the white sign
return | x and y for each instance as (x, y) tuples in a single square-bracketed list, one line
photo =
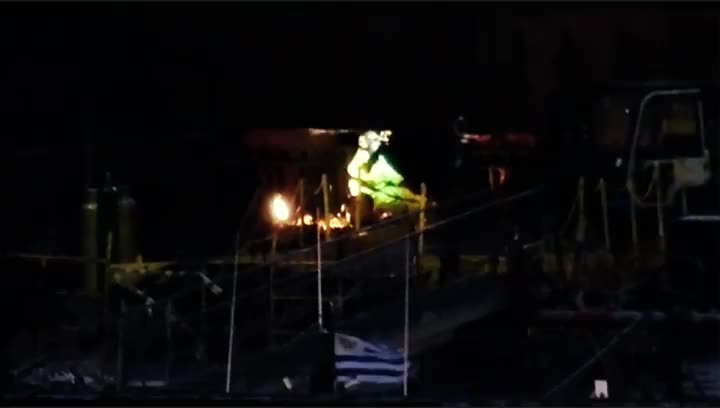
[(601, 390)]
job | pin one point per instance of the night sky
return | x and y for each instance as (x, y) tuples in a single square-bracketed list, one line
[(159, 91)]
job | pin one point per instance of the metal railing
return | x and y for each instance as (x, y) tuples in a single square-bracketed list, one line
[(276, 304)]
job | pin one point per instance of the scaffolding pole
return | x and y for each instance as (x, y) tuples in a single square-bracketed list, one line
[(319, 274), (120, 358), (634, 226), (422, 220), (233, 302), (301, 205), (271, 279), (659, 203), (326, 206), (108, 277)]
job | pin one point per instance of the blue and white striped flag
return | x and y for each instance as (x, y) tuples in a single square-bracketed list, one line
[(360, 362)]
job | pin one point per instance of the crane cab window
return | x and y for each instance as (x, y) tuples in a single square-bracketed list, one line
[(670, 127)]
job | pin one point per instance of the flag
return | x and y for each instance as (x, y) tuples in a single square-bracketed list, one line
[(360, 362)]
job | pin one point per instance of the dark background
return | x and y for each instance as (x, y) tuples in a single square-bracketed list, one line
[(160, 94)]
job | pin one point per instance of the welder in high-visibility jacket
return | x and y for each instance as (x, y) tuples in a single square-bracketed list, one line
[(370, 172)]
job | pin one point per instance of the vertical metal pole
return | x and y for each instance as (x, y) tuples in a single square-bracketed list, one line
[(168, 340), (659, 202), (326, 206), (683, 197), (109, 248), (233, 302), (580, 232), (633, 224), (319, 273), (120, 359), (126, 226), (108, 276), (271, 279), (358, 212), (406, 341), (422, 221)]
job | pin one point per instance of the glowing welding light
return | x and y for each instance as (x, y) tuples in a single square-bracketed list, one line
[(279, 209), (337, 223), (333, 222), (306, 219)]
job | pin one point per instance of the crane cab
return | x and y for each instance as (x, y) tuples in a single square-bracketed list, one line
[(659, 133)]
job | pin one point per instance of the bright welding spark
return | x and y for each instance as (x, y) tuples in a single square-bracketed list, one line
[(279, 209), (337, 223)]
